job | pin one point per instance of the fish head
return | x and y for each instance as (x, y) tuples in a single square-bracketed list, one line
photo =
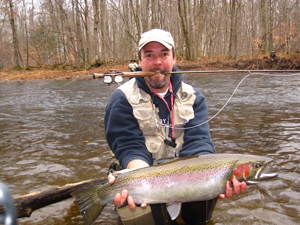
[(251, 169)]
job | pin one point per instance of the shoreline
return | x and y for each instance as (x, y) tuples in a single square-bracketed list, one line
[(259, 63)]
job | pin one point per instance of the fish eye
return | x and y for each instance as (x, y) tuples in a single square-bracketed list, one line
[(258, 165)]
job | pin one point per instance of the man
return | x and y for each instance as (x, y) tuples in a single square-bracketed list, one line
[(153, 118)]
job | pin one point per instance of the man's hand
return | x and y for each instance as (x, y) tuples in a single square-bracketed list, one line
[(233, 187), (121, 198)]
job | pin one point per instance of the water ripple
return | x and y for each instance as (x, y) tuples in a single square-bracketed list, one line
[(51, 134)]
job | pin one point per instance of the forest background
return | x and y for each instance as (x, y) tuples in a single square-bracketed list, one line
[(84, 34)]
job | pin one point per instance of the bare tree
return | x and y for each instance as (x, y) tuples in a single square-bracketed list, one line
[(134, 9), (297, 18), (266, 20), (86, 32), (78, 30), (96, 30), (233, 28), (145, 14), (263, 24), (199, 15), (25, 26), (59, 31), (270, 27), (186, 29), (17, 54), (252, 27)]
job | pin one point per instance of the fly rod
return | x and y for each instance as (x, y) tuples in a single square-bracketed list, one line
[(114, 76), (231, 71), (145, 74)]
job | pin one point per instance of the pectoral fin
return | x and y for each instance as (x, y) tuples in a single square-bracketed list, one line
[(174, 210)]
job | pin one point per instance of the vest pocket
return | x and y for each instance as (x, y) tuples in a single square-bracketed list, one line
[(154, 144), (146, 119)]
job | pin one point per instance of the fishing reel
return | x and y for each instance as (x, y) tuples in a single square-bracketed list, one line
[(110, 77), (113, 76)]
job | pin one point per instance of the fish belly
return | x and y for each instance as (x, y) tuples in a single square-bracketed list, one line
[(195, 186)]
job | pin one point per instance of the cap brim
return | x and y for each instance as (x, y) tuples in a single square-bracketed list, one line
[(166, 44)]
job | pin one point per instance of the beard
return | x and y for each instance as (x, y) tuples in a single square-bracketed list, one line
[(158, 81)]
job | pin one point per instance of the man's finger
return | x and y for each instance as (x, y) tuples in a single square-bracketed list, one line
[(243, 187), (236, 186), (221, 196), (130, 202), (124, 196), (111, 178), (229, 190), (117, 199), (143, 205), (120, 199)]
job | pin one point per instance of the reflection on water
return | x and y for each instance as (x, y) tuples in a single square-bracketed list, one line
[(51, 133)]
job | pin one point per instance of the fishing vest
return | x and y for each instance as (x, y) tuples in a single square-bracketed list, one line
[(149, 122)]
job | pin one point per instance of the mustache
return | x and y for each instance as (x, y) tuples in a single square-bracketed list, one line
[(157, 70)]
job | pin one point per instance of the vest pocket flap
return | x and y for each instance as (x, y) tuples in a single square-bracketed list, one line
[(153, 145), (141, 114), (185, 113), (146, 120)]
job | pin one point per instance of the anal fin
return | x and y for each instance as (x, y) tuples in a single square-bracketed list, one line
[(174, 210)]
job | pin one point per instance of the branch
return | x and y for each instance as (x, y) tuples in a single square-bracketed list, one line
[(26, 204)]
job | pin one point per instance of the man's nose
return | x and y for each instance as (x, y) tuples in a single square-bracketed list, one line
[(157, 59)]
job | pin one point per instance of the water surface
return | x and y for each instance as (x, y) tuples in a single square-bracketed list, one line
[(51, 134)]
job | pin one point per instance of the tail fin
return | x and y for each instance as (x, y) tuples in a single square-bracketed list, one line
[(89, 202)]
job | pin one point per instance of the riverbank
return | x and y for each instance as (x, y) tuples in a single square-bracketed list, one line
[(275, 63)]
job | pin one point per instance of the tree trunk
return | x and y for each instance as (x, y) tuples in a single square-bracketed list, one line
[(63, 31), (79, 37), (106, 44), (17, 54), (297, 17), (252, 30), (154, 14), (144, 15), (263, 25), (200, 15), (182, 10), (55, 30), (87, 34), (270, 30), (26, 35), (96, 41), (233, 29), (134, 10)]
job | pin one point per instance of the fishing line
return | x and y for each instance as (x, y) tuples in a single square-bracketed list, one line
[(229, 99)]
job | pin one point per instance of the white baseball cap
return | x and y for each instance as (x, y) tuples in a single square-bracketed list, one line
[(157, 35)]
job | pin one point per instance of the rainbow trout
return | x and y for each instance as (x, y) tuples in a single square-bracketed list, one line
[(183, 180)]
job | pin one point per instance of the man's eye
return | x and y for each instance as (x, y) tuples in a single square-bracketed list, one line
[(148, 55), (165, 54)]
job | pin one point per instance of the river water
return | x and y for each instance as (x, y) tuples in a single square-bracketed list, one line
[(51, 134)]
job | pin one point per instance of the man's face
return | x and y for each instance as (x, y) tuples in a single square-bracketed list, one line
[(157, 58)]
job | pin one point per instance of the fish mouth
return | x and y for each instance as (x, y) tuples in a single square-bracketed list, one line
[(260, 175), (266, 176)]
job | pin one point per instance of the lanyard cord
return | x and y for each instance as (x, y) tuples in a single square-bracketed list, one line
[(170, 108)]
